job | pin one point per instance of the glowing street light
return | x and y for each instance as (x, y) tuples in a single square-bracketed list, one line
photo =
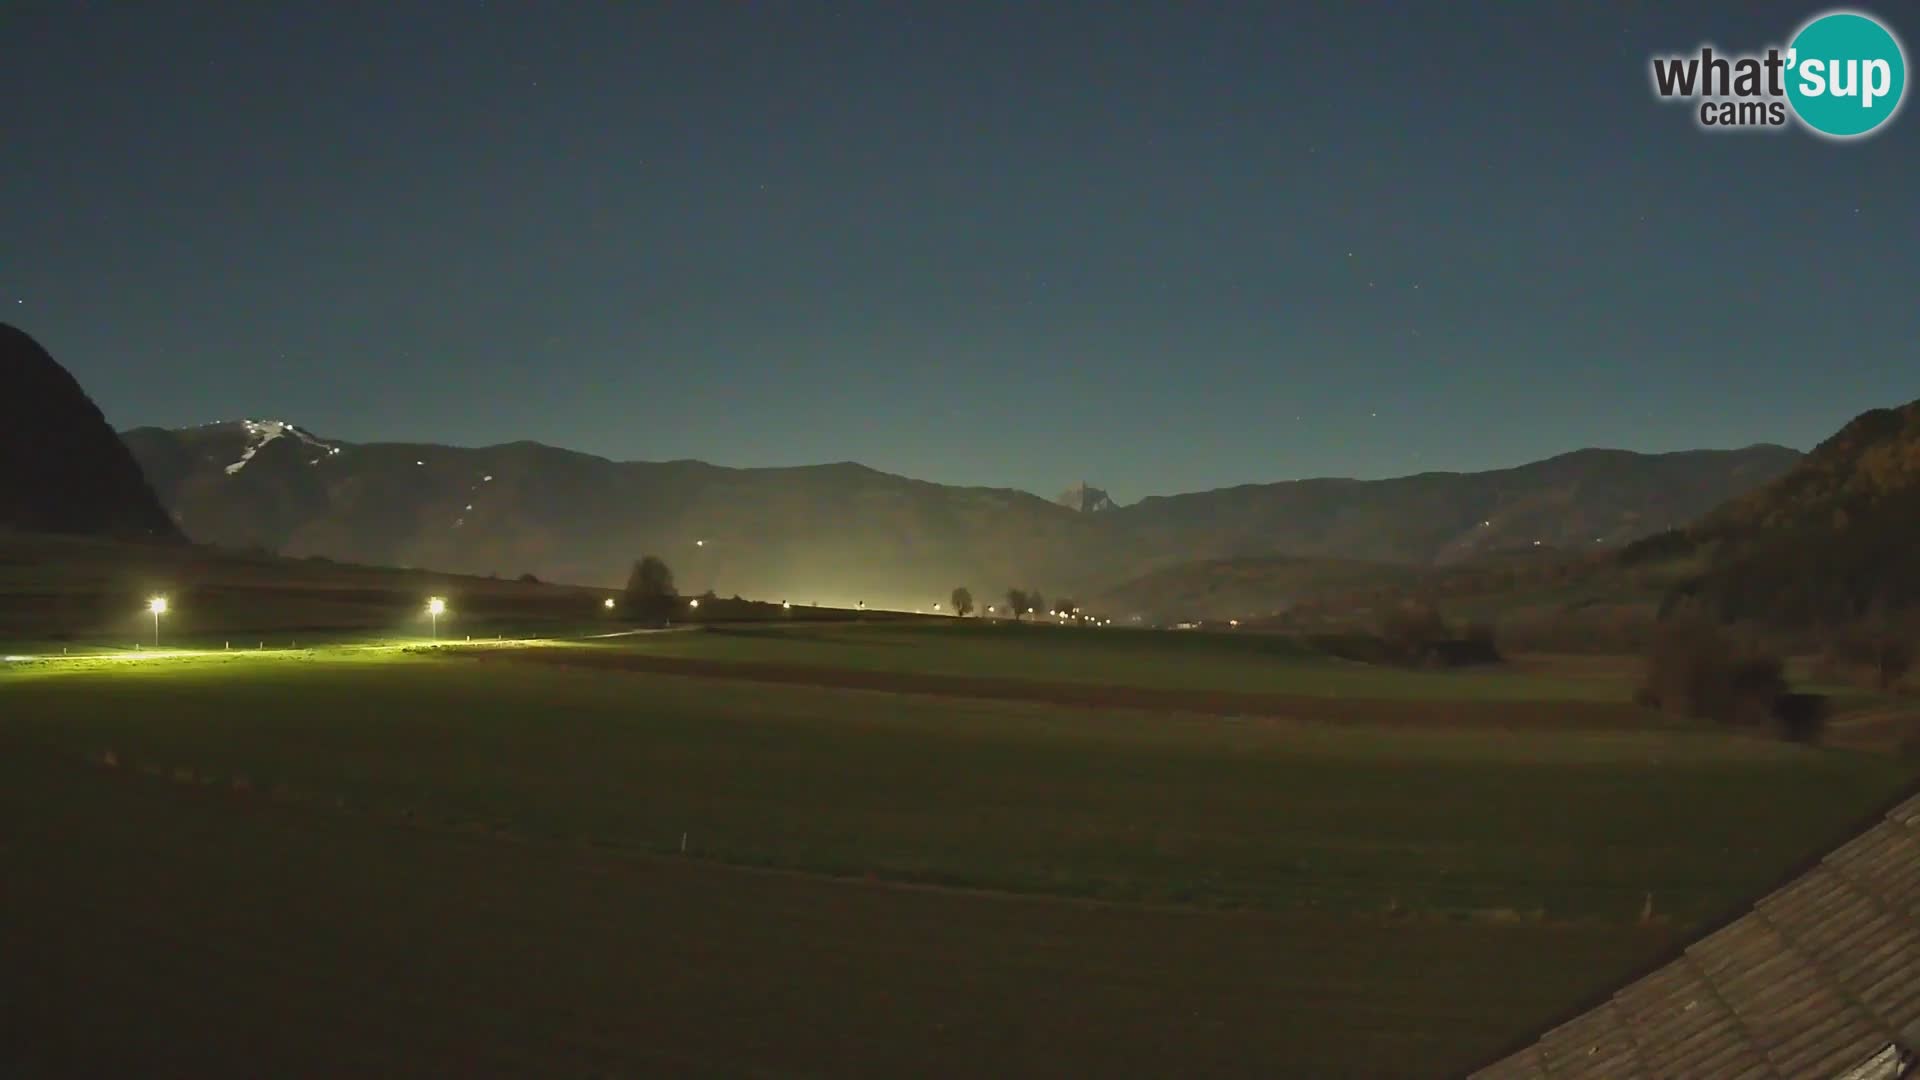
[(693, 603), (609, 603), (436, 607), (157, 605)]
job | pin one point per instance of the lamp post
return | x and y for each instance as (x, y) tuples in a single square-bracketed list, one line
[(157, 605), (435, 608)]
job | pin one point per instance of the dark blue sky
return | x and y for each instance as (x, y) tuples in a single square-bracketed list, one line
[(1156, 247)]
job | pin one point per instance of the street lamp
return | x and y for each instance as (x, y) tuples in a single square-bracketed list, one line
[(609, 603), (157, 605), (436, 607)]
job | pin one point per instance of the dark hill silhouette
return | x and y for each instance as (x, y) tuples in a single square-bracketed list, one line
[(1830, 541), (62, 467)]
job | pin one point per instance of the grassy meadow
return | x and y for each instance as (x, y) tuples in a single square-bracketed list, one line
[(1149, 659), (179, 929), (531, 858)]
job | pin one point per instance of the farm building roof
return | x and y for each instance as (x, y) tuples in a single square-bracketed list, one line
[(1820, 980)]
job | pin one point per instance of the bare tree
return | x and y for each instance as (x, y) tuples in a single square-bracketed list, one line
[(962, 601)]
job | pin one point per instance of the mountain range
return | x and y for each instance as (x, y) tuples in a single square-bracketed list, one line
[(844, 533), (1763, 533)]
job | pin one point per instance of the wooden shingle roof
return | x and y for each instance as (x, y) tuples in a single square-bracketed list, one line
[(1819, 981)]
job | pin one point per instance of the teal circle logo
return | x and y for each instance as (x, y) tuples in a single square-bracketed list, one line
[(1846, 74)]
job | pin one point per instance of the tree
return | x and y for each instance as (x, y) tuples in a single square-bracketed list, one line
[(1035, 602), (1412, 629), (962, 601), (529, 579), (1019, 601), (1696, 669), (650, 593)]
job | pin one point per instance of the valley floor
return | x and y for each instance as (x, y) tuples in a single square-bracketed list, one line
[(386, 861)]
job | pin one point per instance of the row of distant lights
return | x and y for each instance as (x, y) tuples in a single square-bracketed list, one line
[(991, 610), (608, 603), (437, 606)]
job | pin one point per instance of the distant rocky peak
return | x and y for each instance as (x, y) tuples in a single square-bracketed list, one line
[(1085, 498)]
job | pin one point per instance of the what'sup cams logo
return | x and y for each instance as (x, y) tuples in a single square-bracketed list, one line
[(1842, 76)]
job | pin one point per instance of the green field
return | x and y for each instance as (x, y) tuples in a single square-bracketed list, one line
[(1155, 659), (168, 929), (872, 882)]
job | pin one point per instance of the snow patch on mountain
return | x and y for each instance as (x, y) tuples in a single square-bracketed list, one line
[(262, 432)]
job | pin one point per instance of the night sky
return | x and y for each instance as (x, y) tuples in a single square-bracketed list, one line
[(1159, 249)]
